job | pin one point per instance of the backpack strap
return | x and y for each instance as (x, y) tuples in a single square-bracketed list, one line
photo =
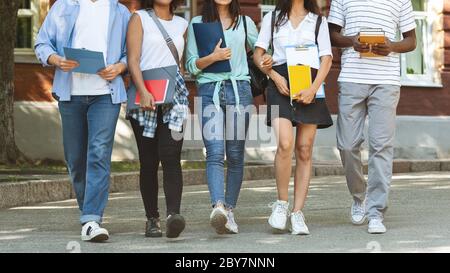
[(318, 24), (244, 21), (272, 30)]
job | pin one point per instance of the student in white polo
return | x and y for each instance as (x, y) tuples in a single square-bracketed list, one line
[(369, 87)]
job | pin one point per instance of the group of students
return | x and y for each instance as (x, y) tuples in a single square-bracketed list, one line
[(90, 104)]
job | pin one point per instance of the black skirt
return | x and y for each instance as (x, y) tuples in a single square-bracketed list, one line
[(316, 113)]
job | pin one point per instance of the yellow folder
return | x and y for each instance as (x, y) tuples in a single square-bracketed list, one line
[(300, 78)]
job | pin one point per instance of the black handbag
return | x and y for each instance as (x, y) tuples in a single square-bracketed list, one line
[(258, 80)]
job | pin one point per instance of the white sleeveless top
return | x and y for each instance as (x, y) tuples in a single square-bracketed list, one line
[(155, 52)]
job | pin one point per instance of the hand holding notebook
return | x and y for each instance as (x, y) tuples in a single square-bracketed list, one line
[(90, 62), (303, 65), (160, 82), (207, 36)]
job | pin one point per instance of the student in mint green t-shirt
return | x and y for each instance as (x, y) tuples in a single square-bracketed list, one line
[(225, 100)]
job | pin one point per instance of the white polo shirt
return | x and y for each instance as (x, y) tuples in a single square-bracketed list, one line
[(91, 33), (390, 15), (287, 35)]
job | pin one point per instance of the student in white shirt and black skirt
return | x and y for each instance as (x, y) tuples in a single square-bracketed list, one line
[(296, 23)]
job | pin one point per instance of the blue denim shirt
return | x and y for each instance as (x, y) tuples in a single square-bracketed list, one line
[(56, 33)]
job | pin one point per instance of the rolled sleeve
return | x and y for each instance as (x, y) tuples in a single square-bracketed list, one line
[(125, 22), (45, 45), (324, 40), (265, 34), (252, 33), (192, 51), (43, 53)]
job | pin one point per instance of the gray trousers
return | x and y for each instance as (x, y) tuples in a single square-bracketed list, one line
[(379, 103)]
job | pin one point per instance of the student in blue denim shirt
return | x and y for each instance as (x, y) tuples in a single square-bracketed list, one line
[(89, 104)]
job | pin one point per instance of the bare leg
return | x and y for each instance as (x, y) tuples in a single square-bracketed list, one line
[(306, 133), (283, 158)]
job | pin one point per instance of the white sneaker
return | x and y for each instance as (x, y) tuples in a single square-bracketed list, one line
[(92, 232), (358, 213), (231, 224), (279, 216), (298, 224), (376, 226), (218, 218)]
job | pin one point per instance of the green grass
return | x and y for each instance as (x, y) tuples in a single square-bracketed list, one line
[(14, 178), (57, 167), (17, 173)]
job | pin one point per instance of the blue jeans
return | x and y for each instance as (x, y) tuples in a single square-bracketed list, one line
[(224, 131), (89, 125)]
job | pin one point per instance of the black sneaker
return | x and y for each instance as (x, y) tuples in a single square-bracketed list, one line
[(153, 228), (175, 225)]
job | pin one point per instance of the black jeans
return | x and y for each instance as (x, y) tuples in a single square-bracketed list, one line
[(165, 149)]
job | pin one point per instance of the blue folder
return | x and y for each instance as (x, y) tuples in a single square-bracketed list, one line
[(207, 35), (91, 62)]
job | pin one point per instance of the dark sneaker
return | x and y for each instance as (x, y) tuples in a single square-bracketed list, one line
[(153, 228), (175, 225)]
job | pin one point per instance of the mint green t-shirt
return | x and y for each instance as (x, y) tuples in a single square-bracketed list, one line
[(235, 40)]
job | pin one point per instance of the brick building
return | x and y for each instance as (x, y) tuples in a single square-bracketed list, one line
[(425, 72)]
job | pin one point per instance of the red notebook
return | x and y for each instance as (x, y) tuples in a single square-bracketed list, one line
[(158, 88)]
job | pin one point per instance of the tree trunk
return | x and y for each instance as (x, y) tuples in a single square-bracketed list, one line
[(9, 153)]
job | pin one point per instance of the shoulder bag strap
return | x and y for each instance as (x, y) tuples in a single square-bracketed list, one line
[(166, 36)]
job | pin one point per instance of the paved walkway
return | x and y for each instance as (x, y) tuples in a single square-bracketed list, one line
[(418, 220)]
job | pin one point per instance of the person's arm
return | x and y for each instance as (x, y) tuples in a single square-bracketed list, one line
[(195, 64), (264, 63), (326, 57), (134, 49), (114, 70), (125, 21), (308, 95), (336, 21), (407, 26), (252, 33), (341, 41), (219, 54), (408, 44), (45, 46), (62, 63)]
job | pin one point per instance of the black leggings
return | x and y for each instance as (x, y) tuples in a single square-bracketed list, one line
[(163, 148)]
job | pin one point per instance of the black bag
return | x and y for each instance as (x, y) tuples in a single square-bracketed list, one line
[(258, 80)]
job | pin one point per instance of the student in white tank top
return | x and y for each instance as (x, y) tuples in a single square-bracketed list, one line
[(153, 125)]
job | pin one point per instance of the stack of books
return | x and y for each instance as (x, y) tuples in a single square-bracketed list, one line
[(371, 36)]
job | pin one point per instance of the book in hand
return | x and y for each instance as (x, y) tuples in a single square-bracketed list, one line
[(90, 62), (158, 88), (207, 36), (371, 36), (160, 82), (303, 64), (300, 78)]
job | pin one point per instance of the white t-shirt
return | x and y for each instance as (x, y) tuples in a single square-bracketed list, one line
[(392, 16), (286, 35), (155, 52), (91, 33)]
